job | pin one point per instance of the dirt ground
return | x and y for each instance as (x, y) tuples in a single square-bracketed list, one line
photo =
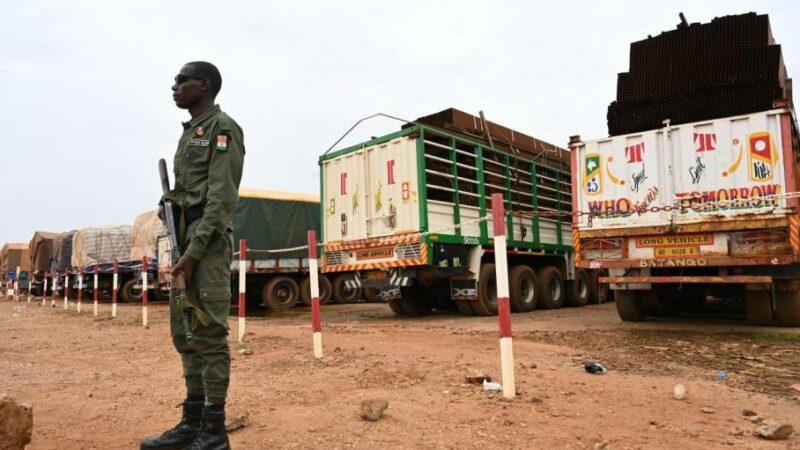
[(103, 384)]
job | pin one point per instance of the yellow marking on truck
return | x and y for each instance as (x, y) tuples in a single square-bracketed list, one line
[(374, 253), (675, 252), (673, 241)]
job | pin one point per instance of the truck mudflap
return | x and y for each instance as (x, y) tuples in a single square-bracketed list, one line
[(463, 289), (727, 279)]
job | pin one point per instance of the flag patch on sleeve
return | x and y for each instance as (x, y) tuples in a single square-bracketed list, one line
[(222, 143)]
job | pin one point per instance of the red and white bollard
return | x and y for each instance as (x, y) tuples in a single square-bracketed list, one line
[(242, 280), (80, 287), (313, 273), (16, 286), (114, 283), (96, 270), (503, 305), (66, 290), (144, 292), (54, 290), (44, 290)]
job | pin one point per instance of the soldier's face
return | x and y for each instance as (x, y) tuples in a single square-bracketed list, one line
[(189, 88)]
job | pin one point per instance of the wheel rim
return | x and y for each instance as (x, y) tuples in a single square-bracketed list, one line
[(555, 288), (527, 291), (583, 288), (282, 292)]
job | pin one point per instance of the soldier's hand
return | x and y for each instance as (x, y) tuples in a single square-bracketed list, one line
[(185, 267)]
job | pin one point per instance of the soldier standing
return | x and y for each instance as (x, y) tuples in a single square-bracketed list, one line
[(208, 169)]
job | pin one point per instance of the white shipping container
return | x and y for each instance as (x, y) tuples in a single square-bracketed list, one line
[(703, 165)]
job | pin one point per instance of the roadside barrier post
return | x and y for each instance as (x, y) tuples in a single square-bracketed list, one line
[(44, 290), (242, 280), (96, 270), (54, 290), (80, 287), (144, 292), (313, 268), (16, 285), (66, 290), (30, 287), (114, 282), (503, 305)]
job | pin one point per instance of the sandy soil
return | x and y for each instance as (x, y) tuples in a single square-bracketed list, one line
[(103, 384)]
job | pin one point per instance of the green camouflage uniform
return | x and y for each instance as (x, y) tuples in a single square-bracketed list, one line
[(208, 168)]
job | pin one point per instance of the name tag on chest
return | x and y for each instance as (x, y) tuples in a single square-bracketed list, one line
[(197, 142)]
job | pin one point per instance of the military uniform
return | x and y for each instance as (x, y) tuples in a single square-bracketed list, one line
[(208, 169)]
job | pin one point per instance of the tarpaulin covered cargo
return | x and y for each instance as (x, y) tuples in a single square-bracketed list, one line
[(101, 245), (62, 252), (13, 255), (274, 220), (41, 248), (145, 232)]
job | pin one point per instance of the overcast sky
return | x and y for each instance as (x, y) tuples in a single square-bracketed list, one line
[(87, 108)]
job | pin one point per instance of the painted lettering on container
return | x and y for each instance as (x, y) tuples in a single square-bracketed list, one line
[(731, 198)]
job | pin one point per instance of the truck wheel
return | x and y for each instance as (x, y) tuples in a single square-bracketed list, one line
[(758, 305), (552, 284), (578, 290), (486, 304), (787, 308), (416, 301), (464, 307), (342, 293), (160, 294), (281, 293), (396, 308), (129, 293), (629, 306), (325, 290), (372, 295), (524, 288)]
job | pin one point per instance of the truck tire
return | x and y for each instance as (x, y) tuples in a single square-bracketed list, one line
[(128, 293), (787, 308), (414, 301), (629, 306), (524, 288), (758, 305), (281, 293), (552, 288), (464, 307), (578, 290), (486, 304), (396, 307), (325, 290), (343, 294)]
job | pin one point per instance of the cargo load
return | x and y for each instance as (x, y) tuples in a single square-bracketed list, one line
[(144, 235), (275, 220), (730, 66), (101, 245), (62, 252), (41, 248), (13, 256)]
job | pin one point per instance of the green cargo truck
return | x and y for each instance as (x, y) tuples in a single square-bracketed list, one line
[(400, 216)]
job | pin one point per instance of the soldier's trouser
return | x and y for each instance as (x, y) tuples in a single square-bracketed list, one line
[(206, 358)]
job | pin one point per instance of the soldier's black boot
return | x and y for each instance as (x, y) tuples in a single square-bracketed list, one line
[(181, 434), (212, 434)]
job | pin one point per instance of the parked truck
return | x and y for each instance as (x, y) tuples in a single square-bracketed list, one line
[(269, 220), (41, 253), (400, 215), (692, 200), (13, 257), (694, 210)]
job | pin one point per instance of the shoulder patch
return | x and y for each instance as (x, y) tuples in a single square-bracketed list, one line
[(222, 143)]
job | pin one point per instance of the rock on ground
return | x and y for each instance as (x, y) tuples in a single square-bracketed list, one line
[(372, 410), (773, 430), (16, 423), (237, 420)]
